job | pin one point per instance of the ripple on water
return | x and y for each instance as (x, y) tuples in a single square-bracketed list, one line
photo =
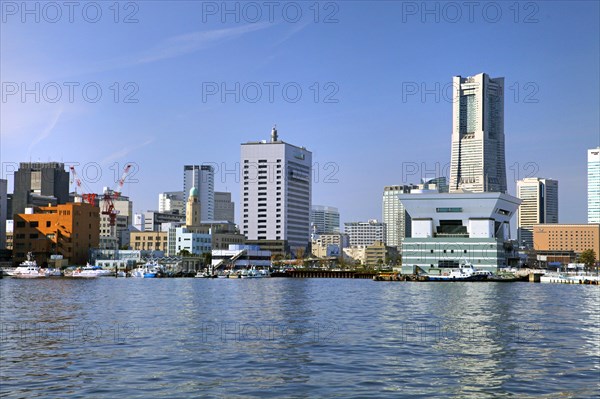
[(296, 338)]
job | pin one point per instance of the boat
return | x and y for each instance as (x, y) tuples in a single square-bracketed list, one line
[(27, 269), (465, 272), (151, 269), (90, 271), (51, 272)]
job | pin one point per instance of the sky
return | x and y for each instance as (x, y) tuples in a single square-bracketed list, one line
[(364, 85)]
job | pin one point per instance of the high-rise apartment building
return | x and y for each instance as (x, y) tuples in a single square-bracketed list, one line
[(593, 185), (39, 184), (477, 160), (203, 178), (224, 207), (276, 193), (324, 219), (539, 205)]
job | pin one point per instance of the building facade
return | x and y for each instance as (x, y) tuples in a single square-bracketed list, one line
[(203, 178), (593, 184), (70, 230), (148, 241), (224, 207), (363, 234), (324, 219), (395, 217), (241, 257), (111, 237), (477, 160), (39, 184), (171, 202), (153, 220), (3, 211), (451, 229), (567, 237), (539, 204), (276, 193)]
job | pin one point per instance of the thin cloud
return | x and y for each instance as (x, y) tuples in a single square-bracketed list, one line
[(48, 130), (125, 151), (191, 42)]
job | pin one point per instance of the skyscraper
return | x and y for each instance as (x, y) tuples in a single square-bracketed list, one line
[(3, 214), (539, 205), (38, 184), (276, 192), (477, 160), (203, 178), (395, 217), (594, 185), (324, 219)]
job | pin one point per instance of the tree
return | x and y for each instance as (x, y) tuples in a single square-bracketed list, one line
[(207, 258), (588, 257), (184, 252)]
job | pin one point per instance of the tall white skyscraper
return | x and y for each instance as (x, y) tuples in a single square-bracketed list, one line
[(539, 205), (594, 185), (324, 219), (204, 177), (477, 160), (276, 192)]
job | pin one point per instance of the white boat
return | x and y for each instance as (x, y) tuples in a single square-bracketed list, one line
[(465, 272), (51, 272), (90, 271), (150, 269), (27, 269)]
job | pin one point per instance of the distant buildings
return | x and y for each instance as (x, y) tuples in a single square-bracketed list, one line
[(152, 220), (203, 178), (539, 204), (149, 241), (395, 217), (70, 230), (450, 229), (329, 244), (3, 212), (324, 219), (562, 242), (171, 202), (593, 184), (365, 233), (477, 161), (276, 195), (241, 256), (111, 237), (39, 184), (224, 207)]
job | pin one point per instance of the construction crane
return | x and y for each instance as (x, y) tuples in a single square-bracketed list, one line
[(88, 197), (108, 207)]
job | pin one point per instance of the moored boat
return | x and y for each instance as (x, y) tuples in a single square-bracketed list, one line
[(465, 272)]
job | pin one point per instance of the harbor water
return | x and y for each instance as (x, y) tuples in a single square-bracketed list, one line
[(277, 337)]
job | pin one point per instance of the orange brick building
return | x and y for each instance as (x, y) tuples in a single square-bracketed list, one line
[(69, 230), (567, 237)]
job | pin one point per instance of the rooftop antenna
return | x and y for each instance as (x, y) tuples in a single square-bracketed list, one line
[(274, 134)]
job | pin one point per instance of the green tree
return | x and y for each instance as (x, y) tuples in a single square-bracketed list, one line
[(184, 252), (588, 257), (207, 258)]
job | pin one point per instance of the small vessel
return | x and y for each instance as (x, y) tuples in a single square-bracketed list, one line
[(27, 269), (90, 271), (51, 272), (151, 269), (465, 272)]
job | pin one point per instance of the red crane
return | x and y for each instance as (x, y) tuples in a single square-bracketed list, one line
[(108, 206), (108, 197)]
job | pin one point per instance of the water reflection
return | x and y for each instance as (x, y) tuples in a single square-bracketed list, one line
[(302, 338)]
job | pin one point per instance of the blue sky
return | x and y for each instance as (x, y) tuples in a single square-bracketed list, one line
[(362, 68)]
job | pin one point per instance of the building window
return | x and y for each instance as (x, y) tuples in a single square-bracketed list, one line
[(33, 224)]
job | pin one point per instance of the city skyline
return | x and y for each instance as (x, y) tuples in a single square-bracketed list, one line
[(386, 90)]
